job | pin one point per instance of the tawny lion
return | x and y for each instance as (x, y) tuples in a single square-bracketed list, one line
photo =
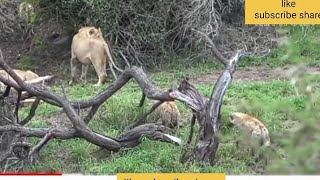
[(88, 46), (24, 75)]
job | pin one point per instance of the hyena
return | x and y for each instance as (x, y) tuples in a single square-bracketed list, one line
[(254, 127), (168, 114)]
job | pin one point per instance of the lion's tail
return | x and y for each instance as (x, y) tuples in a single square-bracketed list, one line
[(110, 58)]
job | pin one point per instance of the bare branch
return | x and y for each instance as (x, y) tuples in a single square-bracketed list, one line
[(152, 131), (91, 113), (143, 98), (208, 143), (59, 133), (129, 139), (39, 80), (193, 121), (214, 49), (188, 94), (41, 144), (32, 112), (17, 106), (6, 92), (194, 104), (144, 116), (10, 83), (125, 59)]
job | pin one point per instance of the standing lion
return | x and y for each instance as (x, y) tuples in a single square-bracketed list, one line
[(88, 46)]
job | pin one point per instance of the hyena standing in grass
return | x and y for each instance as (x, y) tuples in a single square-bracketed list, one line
[(252, 126), (168, 114), (254, 129)]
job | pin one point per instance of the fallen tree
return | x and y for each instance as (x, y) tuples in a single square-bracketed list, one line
[(12, 129), (205, 111)]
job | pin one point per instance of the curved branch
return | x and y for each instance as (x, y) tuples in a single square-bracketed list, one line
[(149, 89), (129, 139), (78, 124), (144, 116), (32, 112), (214, 49), (80, 128)]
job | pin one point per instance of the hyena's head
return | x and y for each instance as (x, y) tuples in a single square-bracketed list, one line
[(238, 118)]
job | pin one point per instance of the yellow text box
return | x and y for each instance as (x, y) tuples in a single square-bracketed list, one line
[(171, 176), (282, 11)]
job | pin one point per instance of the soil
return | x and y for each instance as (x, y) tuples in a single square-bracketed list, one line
[(254, 74)]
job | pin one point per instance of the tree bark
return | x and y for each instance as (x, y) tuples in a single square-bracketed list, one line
[(207, 112), (80, 129)]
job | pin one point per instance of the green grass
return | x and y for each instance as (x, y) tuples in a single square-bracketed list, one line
[(273, 102)]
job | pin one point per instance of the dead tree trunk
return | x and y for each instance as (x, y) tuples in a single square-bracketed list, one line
[(207, 112)]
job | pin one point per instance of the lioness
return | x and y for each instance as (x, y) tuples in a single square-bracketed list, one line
[(24, 75), (90, 32), (88, 46)]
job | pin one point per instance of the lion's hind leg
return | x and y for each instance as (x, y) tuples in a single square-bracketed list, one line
[(84, 72), (73, 63), (100, 67)]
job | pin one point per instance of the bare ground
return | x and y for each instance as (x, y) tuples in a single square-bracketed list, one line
[(254, 74)]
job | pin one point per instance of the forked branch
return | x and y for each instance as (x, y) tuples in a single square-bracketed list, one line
[(80, 128), (208, 113)]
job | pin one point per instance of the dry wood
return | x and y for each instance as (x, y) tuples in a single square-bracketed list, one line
[(207, 112), (80, 129)]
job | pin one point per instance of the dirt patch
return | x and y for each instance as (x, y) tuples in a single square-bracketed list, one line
[(61, 120), (254, 74)]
